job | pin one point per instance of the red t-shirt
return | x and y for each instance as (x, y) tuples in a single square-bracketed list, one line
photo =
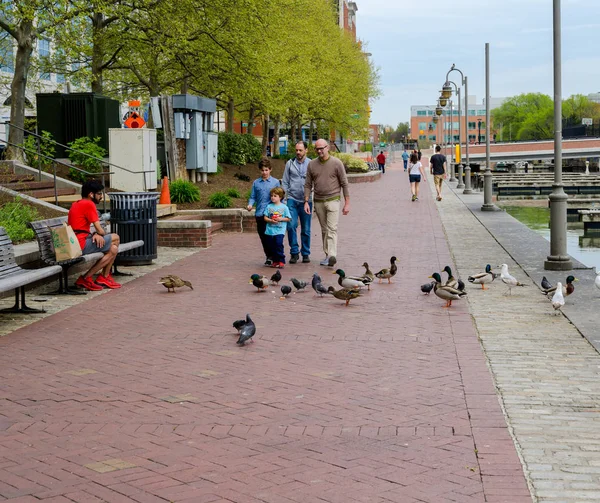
[(82, 214), (381, 158)]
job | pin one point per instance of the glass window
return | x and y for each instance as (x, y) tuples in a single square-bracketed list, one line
[(472, 112), (44, 52), (421, 112), (422, 137), (422, 125), (472, 137), (481, 112), (429, 112), (482, 138), (432, 137), (7, 58), (472, 125)]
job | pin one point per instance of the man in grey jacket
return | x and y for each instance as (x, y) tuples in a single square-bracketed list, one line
[(294, 177)]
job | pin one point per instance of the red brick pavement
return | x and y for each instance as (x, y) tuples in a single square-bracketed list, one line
[(387, 400)]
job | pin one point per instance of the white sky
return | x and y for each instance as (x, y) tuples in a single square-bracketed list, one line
[(415, 43)]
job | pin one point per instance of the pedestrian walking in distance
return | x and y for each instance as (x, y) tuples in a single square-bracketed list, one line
[(381, 161), (437, 167), (415, 173)]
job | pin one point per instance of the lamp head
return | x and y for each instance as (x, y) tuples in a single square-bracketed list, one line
[(435, 118), (446, 90), (443, 101)]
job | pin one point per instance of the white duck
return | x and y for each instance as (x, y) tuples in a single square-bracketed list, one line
[(558, 300), (507, 279), (597, 280)]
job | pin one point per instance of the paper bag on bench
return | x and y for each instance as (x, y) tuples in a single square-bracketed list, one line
[(66, 244)]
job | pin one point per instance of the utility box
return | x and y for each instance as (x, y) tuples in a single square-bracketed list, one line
[(133, 156), (74, 115), (194, 122)]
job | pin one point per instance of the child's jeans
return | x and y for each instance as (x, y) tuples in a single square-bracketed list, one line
[(261, 226), (276, 251)]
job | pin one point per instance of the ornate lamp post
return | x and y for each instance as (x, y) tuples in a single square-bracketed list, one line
[(445, 90), (478, 131)]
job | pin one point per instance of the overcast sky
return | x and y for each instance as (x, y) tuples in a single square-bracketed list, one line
[(414, 45)]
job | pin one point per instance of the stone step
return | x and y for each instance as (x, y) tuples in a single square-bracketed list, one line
[(7, 178), (48, 193), (29, 185)]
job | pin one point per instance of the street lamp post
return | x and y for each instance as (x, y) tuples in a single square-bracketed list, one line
[(478, 131), (559, 259), (467, 184), (487, 175), (452, 164)]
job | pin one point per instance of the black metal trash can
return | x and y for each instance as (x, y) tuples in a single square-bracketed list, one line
[(133, 217)]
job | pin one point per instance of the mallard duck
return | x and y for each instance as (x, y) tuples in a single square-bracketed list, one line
[(318, 286), (247, 331), (260, 282), (298, 284), (558, 301), (508, 280), (388, 273), (445, 292), (452, 282), (285, 291), (368, 273), (345, 294), (483, 278), (567, 289), (427, 287), (171, 282), (276, 278), (347, 282)]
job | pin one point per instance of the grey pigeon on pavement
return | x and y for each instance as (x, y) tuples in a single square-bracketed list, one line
[(427, 287), (299, 284), (286, 290), (545, 284), (247, 331), (318, 286), (238, 324)]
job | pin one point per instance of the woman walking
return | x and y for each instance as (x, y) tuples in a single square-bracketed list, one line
[(415, 172)]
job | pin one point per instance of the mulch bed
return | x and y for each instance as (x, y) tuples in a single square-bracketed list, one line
[(43, 212), (222, 181)]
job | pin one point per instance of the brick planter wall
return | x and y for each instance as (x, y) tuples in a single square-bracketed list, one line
[(185, 233), (233, 220), (371, 176)]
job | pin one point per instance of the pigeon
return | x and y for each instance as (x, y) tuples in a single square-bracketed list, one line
[(427, 287), (298, 284), (260, 282), (509, 280), (545, 284), (171, 282), (286, 290), (483, 278), (558, 301), (238, 324), (247, 331), (318, 286), (276, 278)]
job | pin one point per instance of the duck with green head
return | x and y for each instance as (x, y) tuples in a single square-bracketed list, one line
[(347, 282), (483, 278), (446, 292)]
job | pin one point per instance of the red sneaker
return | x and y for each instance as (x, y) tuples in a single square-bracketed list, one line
[(112, 280), (279, 265), (108, 282), (88, 284)]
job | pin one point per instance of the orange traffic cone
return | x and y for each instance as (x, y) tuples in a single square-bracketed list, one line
[(165, 195)]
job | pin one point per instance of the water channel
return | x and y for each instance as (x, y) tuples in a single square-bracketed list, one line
[(538, 218)]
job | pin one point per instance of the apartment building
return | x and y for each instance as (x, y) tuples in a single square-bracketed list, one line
[(446, 130)]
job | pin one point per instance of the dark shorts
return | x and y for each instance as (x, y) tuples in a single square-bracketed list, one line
[(414, 178), (90, 246)]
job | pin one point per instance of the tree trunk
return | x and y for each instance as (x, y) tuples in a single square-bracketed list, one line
[(299, 131), (311, 132), (230, 114), (265, 138), (292, 135), (250, 120), (97, 53), (275, 148), (18, 87)]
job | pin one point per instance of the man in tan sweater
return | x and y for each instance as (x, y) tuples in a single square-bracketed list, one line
[(327, 176)]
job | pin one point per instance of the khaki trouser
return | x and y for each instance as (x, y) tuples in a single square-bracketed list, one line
[(328, 213)]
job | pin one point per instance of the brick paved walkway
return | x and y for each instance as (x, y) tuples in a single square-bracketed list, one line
[(388, 400)]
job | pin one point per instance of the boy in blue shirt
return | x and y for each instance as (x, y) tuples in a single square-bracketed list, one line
[(261, 196), (277, 215)]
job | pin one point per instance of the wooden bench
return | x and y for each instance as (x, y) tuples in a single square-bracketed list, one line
[(12, 276), (44, 239)]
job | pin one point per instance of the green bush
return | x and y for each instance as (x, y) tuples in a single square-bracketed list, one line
[(14, 217), (46, 149), (219, 200), (351, 163), (247, 194), (85, 145), (234, 193), (183, 191), (238, 149)]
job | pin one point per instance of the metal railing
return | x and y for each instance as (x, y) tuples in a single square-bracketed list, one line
[(54, 161)]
